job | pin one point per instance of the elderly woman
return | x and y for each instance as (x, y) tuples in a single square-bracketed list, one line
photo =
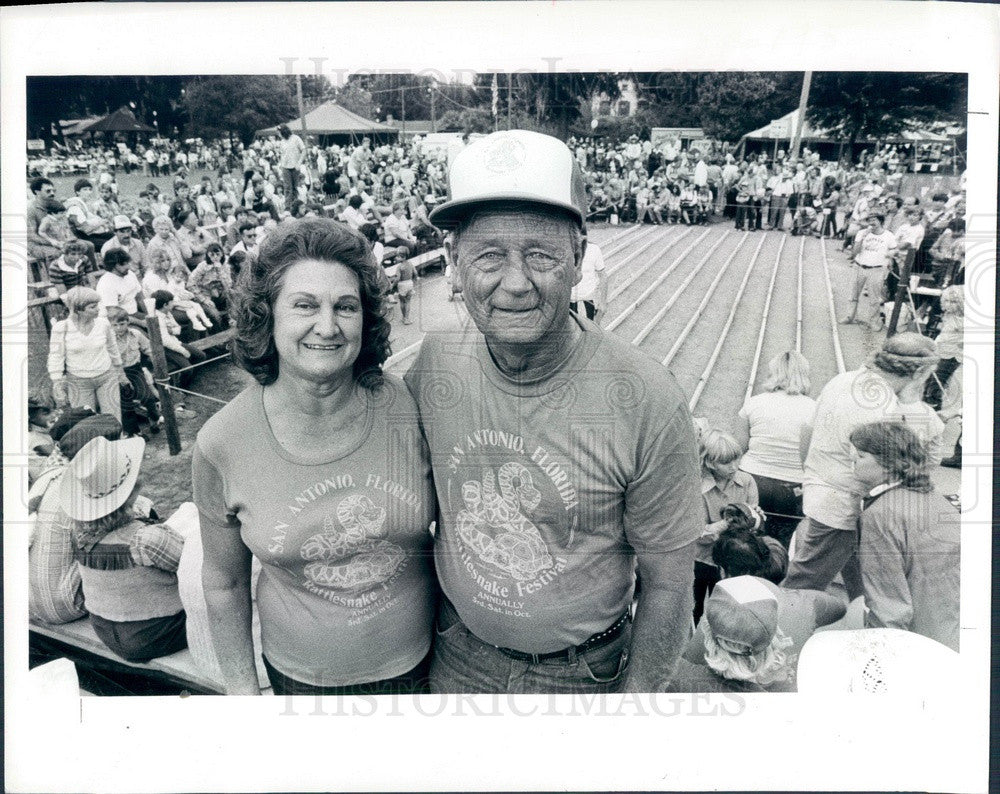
[(335, 500), (771, 425), (166, 246), (84, 362), (909, 536)]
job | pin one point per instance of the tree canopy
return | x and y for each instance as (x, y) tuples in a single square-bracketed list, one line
[(239, 104), (878, 104)]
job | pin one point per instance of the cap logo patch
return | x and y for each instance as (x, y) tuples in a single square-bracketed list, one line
[(506, 154)]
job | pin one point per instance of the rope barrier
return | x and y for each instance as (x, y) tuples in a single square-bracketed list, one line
[(192, 393)]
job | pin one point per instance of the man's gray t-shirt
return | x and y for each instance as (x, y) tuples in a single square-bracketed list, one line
[(547, 489)]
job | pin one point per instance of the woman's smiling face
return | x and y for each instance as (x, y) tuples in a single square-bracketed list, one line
[(318, 321)]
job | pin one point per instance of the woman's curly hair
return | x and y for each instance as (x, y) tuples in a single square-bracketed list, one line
[(898, 450), (260, 281)]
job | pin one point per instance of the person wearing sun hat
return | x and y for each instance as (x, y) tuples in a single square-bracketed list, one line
[(745, 650), (54, 591), (128, 565), (561, 454)]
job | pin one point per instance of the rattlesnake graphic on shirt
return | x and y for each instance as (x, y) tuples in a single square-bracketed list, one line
[(494, 524), (351, 552)]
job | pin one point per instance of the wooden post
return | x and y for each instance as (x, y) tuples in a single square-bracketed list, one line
[(162, 378), (801, 121), (901, 289)]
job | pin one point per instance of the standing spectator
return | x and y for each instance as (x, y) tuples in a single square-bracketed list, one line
[(949, 345), (771, 424), (910, 537), (831, 495), (84, 362), (590, 294), (873, 251)]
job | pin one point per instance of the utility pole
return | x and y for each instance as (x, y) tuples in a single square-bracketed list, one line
[(433, 117), (402, 102), (509, 102), (801, 121), (298, 96)]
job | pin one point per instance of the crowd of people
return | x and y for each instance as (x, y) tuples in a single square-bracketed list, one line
[(650, 551)]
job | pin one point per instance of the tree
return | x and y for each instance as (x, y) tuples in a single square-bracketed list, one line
[(240, 104), (356, 99), (858, 105), (473, 120), (731, 104)]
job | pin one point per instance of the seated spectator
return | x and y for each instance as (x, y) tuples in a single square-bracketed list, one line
[(178, 354), (44, 196), (40, 443), (166, 248), (54, 589), (259, 198), (771, 424), (106, 206), (139, 403), (126, 239), (722, 483), (397, 229), (744, 646), (352, 215), (85, 223), (248, 244), (948, 255), (128, 566), (910, 536), (423, 229), (192, 238), (212, 283), (187, 302), (71, 268), (182, 202), (54, 227)]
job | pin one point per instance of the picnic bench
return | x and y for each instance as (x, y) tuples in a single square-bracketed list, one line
[(78, 642)]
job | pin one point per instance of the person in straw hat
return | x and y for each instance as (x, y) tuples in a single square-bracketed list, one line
[(128, 566)]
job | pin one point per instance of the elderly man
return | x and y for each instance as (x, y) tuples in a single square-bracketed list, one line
[(561, 454)]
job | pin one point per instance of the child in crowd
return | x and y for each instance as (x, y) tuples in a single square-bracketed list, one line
[(40, 444), (186, 300), (704, 204), (672, 204), (54, 227), (212, 283), (178, 354), (405, 288), (722, 483), (689, 203), (71, 269), (138, 400)]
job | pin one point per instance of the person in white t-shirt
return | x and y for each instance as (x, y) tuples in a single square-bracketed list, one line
[(592, 289), (881, 391), (771, 425), (873, 252)]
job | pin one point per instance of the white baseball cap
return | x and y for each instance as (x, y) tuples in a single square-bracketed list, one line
[(514, 165), (875, 661)]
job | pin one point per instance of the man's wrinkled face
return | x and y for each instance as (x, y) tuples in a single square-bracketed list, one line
[(518, 268)]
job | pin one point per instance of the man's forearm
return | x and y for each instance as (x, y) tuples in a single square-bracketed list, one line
[(660, 631)]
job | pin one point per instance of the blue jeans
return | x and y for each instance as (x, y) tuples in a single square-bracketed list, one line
[(463, 663)]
